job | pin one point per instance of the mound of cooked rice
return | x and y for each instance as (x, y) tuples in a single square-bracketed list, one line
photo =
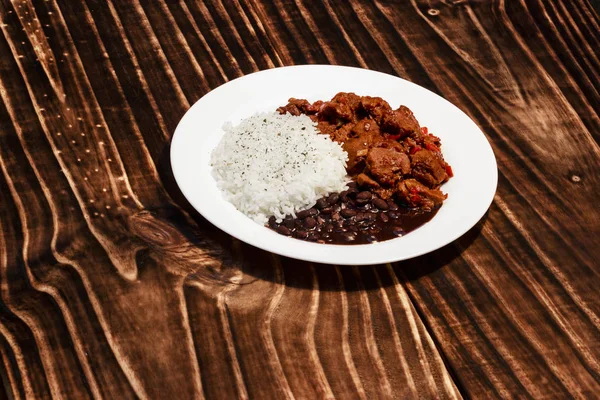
[(272, 164)]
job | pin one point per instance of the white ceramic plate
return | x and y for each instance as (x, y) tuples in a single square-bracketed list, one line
[(465, 147)]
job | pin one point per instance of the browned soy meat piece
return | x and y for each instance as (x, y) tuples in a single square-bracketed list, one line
[(376, 107), (429, 168), (357, 146), (366, 129), (349, 99), (365, 180), (337, 112), (387, 165), (300, 106), (357, 150), (414, 194), (401, 122)]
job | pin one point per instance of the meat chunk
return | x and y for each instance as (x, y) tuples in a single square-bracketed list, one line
[(357, 150), (414, 194), (389, 144), (336, 112), (342, 132), (375, 107), (300, 106), (289, 108), (385, 165), (400, 122), (429, 168), (431, 139), (349, 99), (366, 129), (327, 128), (384, 193), (365, 180)]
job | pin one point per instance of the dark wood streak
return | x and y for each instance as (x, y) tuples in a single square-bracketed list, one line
[(112, 286)]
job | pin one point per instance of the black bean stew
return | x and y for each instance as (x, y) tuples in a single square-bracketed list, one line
[(352, 217)]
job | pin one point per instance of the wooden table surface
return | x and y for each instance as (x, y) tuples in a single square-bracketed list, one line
[(112, 286)]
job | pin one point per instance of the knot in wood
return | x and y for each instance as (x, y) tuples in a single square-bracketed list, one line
[(155, 231)]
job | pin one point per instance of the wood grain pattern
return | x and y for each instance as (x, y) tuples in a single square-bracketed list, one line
[(111, 286)]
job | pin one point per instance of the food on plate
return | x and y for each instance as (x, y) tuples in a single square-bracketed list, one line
[(391, 160), (351, 170), (351, 217), (273, 165)]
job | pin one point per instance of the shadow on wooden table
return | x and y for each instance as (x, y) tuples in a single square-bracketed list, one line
[(378, 276), (429, 263), (298, 273), (262, 265)]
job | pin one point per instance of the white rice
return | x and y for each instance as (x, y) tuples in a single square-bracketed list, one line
[(272, 164)]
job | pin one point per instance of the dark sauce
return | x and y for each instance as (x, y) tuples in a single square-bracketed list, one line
[(352, 217)]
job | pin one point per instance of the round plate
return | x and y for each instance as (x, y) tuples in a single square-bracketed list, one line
[(465, 148)]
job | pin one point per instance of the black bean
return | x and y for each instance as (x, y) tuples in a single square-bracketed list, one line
[(329, 228), (313, 237), (361, 216), (288, 221), (327, 210), (366, 195), (381, 204), (336, 216), (321, 203), (393, 206), (363, 197), (371, 238), (284, 230), (320, 220), (333, 198), (398, 231), (272, 222), (300, 234), (310, 222), (353, 228), (352, 185), (325, 235), (366, 223), (337, 208), (348, 236), (393, 214), (311, 212), (384, 217), (348, 213)]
